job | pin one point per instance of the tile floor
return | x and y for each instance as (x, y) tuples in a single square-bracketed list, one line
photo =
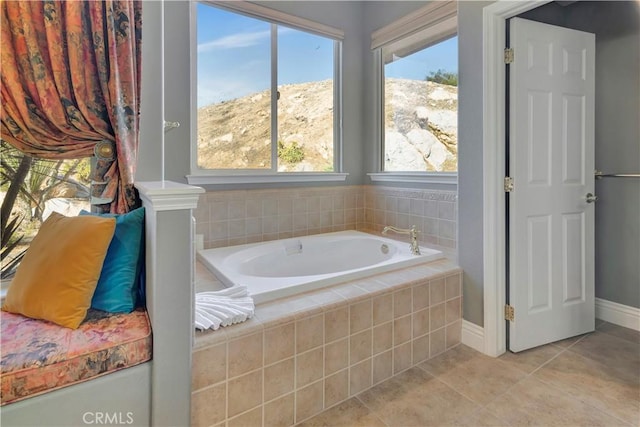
[(591, 380)]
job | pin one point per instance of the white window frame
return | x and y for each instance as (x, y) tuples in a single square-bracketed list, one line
[(432, 23), (201, 176)]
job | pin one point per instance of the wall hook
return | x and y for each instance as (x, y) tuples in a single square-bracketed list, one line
[(170, 125)]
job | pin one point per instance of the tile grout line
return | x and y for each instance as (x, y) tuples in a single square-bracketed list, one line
[(551, 386), (371, 411), (480, 405), (570, 396)]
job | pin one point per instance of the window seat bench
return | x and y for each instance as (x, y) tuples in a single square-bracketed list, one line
[(39, 356)]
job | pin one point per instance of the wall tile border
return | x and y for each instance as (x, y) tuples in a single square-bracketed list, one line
[(235, 217)]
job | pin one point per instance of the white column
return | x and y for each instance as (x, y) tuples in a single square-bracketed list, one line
[(170, 295)]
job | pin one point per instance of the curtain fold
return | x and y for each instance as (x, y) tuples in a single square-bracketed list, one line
[(70, 79)]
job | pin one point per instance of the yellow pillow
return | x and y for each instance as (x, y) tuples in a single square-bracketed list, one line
[(58, 275)]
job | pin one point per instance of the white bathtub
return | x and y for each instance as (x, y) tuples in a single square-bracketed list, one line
[(282, 268)]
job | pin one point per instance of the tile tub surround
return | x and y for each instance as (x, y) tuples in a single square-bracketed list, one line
[(301, 355), (236, 217)]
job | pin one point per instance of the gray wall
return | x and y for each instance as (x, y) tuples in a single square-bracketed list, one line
[(617, 151), (470, 173), (617, 137), (151, 135)]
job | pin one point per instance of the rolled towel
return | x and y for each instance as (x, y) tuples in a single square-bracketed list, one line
[(223, 308), (234, 291), (205, 321)]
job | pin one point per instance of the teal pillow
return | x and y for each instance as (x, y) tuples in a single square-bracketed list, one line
[(117, 288)]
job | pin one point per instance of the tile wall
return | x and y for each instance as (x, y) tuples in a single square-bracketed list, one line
[(227, 218), (434, 213)]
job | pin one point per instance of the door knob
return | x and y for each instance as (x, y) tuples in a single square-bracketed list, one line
[(591, 198)]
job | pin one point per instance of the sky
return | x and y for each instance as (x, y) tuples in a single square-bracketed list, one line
[(234, 56)]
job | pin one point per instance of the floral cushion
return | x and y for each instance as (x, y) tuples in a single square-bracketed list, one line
[(39, 356)]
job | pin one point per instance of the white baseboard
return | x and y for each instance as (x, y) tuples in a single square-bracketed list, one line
[(612, 312), (473, 335)]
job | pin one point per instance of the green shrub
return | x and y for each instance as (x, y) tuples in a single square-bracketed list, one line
[(290, 153), (443, 77)]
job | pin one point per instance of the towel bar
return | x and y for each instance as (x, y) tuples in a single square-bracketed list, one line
[(600, 175)]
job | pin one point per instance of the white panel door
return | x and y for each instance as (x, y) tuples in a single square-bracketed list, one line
[(551, 160)]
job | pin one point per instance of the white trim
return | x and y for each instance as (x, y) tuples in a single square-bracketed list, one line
[(266, 178), (420, 40), (619, 314), (493, 125), (473, 335), (446, 178), (278, 17), (168, 195), (427, 16)]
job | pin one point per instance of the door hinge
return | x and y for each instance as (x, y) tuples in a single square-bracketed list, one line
[(509, 313), (508, 184), (508, 55)]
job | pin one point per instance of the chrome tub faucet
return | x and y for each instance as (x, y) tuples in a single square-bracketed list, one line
[(412, 232)]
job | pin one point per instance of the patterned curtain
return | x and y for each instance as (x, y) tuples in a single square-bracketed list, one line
[(71, 79)]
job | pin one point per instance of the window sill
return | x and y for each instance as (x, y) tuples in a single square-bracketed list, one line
[(265, 178), (442, 178)]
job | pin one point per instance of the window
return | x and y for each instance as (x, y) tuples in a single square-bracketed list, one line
[(421, 108), (43, 186), (417, 60), (267, 92)]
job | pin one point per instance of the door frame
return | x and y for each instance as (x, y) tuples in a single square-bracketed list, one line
[(494, 19)]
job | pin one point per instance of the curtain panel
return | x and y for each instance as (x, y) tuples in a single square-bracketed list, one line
[(71, 79)]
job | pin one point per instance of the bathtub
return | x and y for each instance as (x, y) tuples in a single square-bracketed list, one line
[(282, 268)]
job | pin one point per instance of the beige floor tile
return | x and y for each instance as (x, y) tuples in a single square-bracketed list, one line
[(416, 398), (480, 418), (533, 403), (568, 342), (530, 360), (351, 413), (600, 386), (450, 360), (619, 331), (622, 355), (477, 377), (389, 390)]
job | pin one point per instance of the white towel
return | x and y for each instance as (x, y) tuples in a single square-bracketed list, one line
[(223, 308)]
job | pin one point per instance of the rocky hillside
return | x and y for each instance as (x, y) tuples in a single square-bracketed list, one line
[(421, 128)]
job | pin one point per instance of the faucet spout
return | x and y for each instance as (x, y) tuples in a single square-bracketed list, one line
[(412, 232)]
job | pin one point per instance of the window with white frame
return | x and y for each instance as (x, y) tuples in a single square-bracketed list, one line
[(268, 92), (417, 59)]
